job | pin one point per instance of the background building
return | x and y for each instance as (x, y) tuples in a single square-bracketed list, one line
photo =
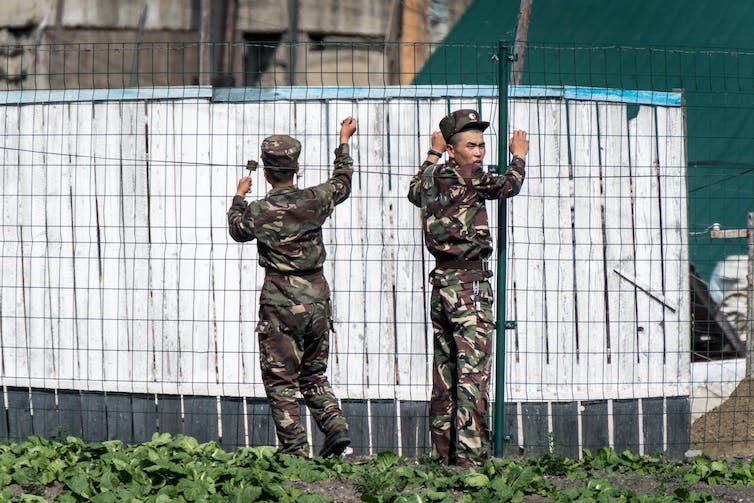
[(111, 43)]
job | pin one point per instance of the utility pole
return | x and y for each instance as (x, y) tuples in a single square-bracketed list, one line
[(717, 233), (294, 51), (522, 38), (414, 38), (205, 49)]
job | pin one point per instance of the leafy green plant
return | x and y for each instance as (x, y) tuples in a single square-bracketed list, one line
[(178, 468)]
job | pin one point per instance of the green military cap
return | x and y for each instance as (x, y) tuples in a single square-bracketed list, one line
[(461, 120), (280, 151)]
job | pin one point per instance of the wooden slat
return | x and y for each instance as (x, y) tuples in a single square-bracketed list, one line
[(651, 336), (410, 127), (383, 432), (45, 414), (373, 196), (261, 426), (19, 414), (70, 413), (355, 412), (11, 318), (589, 253), (415, 437), (673, 191), (225, 170), (232, 420), (528, 345), (347, 252), (653, 425), (144, 411), (93, 416), (626, 425), (565, 429), (248, 118), (120, 417), (594, 425), (512, 435), (37, 332), (200, 418), (534, 416), (169, 416), (133, 366), (678, 425), (620, 247)]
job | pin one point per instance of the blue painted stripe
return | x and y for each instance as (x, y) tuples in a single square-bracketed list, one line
[(254, 94), (136, 93), (660, 98), (245, 94)]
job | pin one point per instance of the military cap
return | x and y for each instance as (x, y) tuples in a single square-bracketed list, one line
[(280, 151), (461, 120)]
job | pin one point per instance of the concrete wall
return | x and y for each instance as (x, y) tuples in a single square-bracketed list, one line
[(101, 38)]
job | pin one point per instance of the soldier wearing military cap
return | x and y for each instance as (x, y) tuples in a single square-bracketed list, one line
[(294, 313), (456, 232)]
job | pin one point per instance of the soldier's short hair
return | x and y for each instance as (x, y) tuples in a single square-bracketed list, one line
[(277, 175)]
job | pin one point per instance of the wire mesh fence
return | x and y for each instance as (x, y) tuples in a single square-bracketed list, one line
[(127, 309)]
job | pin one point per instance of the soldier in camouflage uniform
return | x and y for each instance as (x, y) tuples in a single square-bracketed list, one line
[(294, 313), (454, 220)]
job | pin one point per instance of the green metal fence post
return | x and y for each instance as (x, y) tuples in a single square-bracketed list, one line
[(503, 52)]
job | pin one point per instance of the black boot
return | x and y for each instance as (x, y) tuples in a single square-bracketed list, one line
[(335, 443)]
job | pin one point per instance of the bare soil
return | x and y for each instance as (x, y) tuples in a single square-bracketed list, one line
[(728, 430)]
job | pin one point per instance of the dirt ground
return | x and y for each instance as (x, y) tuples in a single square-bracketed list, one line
[(345, 491), (728, 430), (725, 431)]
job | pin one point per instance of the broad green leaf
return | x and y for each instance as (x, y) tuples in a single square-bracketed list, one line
[(195, 490), (386, 459), (107, 497), (79, 484), (249, 494), (476, 480)]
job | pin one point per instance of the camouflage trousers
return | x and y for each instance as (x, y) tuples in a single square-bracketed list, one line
[(462, 323), (294, 346)]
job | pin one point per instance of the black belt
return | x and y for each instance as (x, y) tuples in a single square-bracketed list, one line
[(471, 265), (274, 272)]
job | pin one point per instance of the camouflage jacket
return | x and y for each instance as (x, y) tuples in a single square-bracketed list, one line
[(287, 224), (454, 215)]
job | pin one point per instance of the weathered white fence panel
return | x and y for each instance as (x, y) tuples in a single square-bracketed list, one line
[(118, 273)]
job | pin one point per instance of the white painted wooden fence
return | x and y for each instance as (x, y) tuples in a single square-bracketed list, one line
[(118, 273)]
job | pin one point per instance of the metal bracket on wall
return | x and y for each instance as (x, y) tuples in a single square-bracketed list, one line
[(507, 437)]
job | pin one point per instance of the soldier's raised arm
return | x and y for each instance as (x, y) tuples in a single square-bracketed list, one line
[(508, 184), (437, 148), (343, 164)]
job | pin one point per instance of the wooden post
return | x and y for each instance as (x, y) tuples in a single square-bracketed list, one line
[(391, 44), (522, 37), (137, 47), (230, 39), (205, 49), (294, 51), (414, 37), (750, 299)]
